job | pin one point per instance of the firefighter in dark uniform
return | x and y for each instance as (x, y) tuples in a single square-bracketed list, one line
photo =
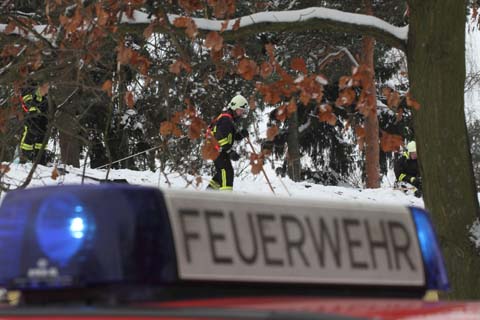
[(35, 104), (223, 129), (406, 168)]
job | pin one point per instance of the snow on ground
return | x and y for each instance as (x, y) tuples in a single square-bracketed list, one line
[(248, 184)]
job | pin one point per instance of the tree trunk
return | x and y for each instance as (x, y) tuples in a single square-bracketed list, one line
[(293, 155), (69, 144), (436, 63), (372, 147)]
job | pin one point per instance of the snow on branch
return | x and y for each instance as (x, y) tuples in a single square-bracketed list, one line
[(314, 18), (333, 18)]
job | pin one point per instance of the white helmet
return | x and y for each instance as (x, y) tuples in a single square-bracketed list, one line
[(411, 147), (238, 102)]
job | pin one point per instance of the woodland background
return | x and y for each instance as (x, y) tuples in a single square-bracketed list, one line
[(341, 97)]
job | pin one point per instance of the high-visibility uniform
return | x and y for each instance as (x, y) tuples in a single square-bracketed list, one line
[(406, 169), (35, 124), (223, 129)]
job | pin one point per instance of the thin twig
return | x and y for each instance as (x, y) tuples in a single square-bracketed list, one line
[(130, 156), (264, 173)]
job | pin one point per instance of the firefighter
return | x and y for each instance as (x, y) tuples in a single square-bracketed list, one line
[(223, 129), (35, 104), (406, 168)]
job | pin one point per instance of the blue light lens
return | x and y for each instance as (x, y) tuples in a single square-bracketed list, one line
[(61, 227), (77, 228), (435, 270)]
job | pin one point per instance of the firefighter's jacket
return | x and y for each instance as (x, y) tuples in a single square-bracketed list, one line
[(406, 168), (36, 121), (223, 129)]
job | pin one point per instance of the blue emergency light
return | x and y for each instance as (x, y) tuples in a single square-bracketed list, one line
[(80, 236), (62, 226), (83, 235), (436, 273)]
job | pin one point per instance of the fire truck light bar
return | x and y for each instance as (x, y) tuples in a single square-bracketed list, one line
[(92, 235)]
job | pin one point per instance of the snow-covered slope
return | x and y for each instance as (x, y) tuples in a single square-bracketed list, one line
[(249, 184)]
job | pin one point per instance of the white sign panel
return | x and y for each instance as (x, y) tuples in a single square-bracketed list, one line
[(221, 236)]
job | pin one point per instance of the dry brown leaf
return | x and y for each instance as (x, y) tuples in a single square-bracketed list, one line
[(222, 8), (247, 69), (216, 55), (107, 87), (129, 99), (75, 21), (326, 115), (360, 133), (214, 41), (142, 63), (224, 25), (190, 27), (191, 5), (175, 67), (256, 161), (266, 152), (299, 65), (4, 168), (366, 103), (390, 142), (411, 102), (344, 82), (236, 25), (386, 91), (198, 181), (220, 71), (180, 65), (10, 51), (399, 115), (124, 54), (166, 128), (281, 113), (266, 70), (271, 93), (305, 97), (102, 15), (393, 100), (63, 20), (177, 117), (291, 107), (272, 132), (346, 97), (149, 30), (237, 52), (251, 103), (177, 132), (269, 48), (55, 173), (209, 149), (196, 128), (37, 62), (10, 27)]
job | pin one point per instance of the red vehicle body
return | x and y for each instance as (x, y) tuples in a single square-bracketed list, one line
[(261, 308)]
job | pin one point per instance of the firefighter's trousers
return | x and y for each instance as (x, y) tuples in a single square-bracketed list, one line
[(32, 137), (223, 178)]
